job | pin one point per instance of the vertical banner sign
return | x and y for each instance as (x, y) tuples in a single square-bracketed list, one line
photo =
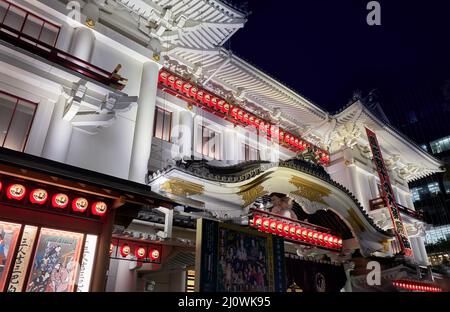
[(388, 194)]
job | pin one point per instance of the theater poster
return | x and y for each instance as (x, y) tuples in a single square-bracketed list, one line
[(231, 258), (55, 262)]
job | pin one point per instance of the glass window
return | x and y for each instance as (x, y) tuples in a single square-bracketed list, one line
[(440, 145), (433, 187), (209, 144), (16, 117), (415, 194), (251, 153), (163, 124)]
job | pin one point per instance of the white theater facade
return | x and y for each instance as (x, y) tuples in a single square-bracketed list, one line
[(143, 92)]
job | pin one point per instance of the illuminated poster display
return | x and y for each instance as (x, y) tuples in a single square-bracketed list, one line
[(55, 262), (9, 233), (388, 194), (87, 263), (232, 258), (23, 256)]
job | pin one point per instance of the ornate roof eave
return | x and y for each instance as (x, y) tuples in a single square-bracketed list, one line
[(251, 169), (358, 108)]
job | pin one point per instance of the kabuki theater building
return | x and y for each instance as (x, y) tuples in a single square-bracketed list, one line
[(138, 154)]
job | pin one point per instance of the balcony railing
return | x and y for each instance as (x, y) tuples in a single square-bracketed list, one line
[(34, 34), (378, 203)]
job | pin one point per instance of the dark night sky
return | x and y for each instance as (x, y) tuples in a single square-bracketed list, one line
[(325, 50)]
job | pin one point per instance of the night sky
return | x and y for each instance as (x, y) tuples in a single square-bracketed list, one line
[(324, 50)]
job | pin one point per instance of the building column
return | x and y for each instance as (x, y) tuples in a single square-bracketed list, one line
[(186, 133), (416, 251), (348, 268), (423, 251), (230, 146), (142, 140), (355, 185), (57, 142)]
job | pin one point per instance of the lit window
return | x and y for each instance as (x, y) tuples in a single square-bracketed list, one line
[(16, 117), (433, 187), (424, 147), (163, 124), (440, 145), (415, 194), (251, 153), (209, 145)]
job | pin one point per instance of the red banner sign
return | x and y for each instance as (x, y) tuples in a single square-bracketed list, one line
[(388, 194)]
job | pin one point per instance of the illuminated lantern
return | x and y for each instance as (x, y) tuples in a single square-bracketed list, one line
[(162, 77), (38, 196), (310, 235), (193, 92), (179, 84), (280, 226), (298, 232), (234, 112), (225, 108), (320, 237), (340, 242), (215, 103), (1, 185), (200, 95), (287, 138), (171, 81), (111, 248), (251, 120), (273, 226), (316, 237), (154, 254), (187, 88), (80, 204), (326, 241), (245, 118), (207, 99), (296, 142), (286, 228), (258, 221), (60, 200), (16, 191), (262, 126), (281, 135), (140, 252), (99, 208), (257, 121), (305, 234), (265, 224), (240, 114), (335, 241), (125, 250), (292, 231)]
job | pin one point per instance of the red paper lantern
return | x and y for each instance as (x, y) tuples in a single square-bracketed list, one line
[(200, 95), (316, 237), (207, 99), (320, 238), (179, 84), (171, 81), (280, 227), (257, 220), (38, 196), (80, 204), (16, 191), (140, 252), (234, 112), (251, 120), (340, 242), (193, 92), (60, 200), (125, 250), (298, 232), (310, 235), (154, 254), (305, 234), (240, 114), (187, 88), (273, 226), (292, 231), (1, 186), (99, 208), (162, 77), (286, 228), (265, 224), (226, 108), (215, 103)]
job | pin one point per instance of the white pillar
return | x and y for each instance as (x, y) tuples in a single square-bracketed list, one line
[(82, 43), (143, 129), (186, 133), (374, 187), (416, 251), (356, 186), (57, 142), (231, 146), (423, 251)]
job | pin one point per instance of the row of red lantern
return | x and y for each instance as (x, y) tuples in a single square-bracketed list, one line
[(140, 252), (295, 232), (408, 285), (218, 104), (39, 196)]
